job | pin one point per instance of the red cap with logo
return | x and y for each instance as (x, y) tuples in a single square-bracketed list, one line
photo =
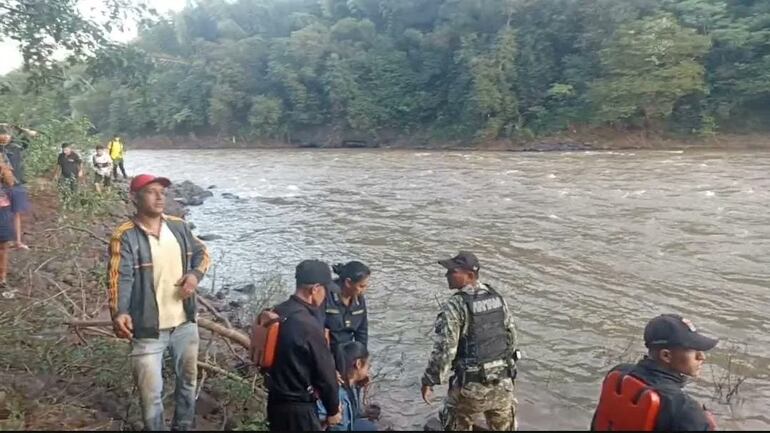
[(139, 182)]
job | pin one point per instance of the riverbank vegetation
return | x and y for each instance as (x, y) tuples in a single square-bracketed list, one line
[(61, 366), (305, 70), (441, 69)]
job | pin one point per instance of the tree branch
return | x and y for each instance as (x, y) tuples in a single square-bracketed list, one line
[(218, 370), (205, 302), (15, 10)]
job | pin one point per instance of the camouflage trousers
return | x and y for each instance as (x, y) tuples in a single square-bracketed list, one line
[(495, 402)]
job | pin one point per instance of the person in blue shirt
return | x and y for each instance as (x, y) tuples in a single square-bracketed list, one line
[(346, 315), (353, 364)]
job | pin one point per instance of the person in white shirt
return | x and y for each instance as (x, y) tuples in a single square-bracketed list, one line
[(102, 167)]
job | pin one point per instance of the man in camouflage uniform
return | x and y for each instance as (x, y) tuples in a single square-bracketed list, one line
[(469, 335)]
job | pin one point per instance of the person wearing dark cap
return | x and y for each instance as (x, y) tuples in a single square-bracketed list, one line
[(303, 370), (475, 340), (676, 352), (153, 273)]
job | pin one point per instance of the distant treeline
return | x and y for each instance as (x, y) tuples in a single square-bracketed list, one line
[(481, 69)]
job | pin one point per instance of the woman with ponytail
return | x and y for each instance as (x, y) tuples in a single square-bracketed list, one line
[(353, 364), (346, 315)]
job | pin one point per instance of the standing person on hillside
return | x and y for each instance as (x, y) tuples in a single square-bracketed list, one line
[(13, 142), (102, 167), (303, 371), (13, 202), (69, 170), (118, 153), (155, 266), (475, 338)]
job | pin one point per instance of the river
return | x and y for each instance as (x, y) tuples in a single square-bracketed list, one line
[(586, 247)]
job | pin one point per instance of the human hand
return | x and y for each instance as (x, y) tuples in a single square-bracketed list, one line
[(123, 326), (187, 285), (336, 419), (712, 420), (427, 394)]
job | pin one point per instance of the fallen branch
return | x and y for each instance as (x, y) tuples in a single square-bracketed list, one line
[(232, 334), (93, 235), (218, 370), (88, 323), (205, 302)]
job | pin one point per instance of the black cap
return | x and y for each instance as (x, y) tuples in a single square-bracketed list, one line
[(315, 272), (672, 330), (463, 260)]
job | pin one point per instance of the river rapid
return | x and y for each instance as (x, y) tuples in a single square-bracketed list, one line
[(585, 246)]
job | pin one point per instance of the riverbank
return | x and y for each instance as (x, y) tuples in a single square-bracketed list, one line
[(586, 140), (62, 368)]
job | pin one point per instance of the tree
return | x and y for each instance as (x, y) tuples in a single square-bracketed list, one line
[(43, 27), (648, 65)]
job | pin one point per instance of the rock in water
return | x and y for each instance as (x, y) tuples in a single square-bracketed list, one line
[(230, 196), (209, 237), (247, 288)]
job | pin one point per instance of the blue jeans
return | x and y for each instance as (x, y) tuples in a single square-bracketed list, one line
[(363, 424), (147, 363)]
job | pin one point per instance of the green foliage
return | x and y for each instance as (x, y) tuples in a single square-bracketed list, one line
[(458, 69), (40, 157), (44, 27), (649, 65)]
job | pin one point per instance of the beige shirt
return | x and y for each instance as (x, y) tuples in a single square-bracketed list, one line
[(167, 271)]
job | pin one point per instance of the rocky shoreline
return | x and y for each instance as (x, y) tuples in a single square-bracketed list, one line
[(572, 141)]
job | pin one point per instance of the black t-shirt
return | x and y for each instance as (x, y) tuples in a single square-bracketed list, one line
[(13, 153), (70, 164)]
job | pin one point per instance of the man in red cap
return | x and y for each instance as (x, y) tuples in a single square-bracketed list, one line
[(155, 266)]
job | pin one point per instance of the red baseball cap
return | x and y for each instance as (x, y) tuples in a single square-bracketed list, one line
[(139, 182)]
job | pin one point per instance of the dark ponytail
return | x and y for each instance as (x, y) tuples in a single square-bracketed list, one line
[(354, 270), (346, 357)]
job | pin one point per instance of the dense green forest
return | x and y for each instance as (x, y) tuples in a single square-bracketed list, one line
[(485, 69)]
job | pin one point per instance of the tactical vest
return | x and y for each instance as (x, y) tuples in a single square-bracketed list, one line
[(484, 347)]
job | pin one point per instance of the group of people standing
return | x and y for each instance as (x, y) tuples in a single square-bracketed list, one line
[(322, 358), (14, 200), (69, 166)]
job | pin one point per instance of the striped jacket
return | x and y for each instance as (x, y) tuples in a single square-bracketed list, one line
[(130, 277)]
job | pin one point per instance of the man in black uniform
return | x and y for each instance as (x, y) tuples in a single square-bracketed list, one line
[(304, 368), (676, 352)]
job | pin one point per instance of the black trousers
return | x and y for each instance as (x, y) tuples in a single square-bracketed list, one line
[(115, 164), (289, 417)]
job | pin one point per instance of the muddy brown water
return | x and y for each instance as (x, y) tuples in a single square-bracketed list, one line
[(586, 246)]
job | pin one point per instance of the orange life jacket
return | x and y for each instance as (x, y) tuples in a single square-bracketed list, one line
[(626, 404), (264, 338)]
